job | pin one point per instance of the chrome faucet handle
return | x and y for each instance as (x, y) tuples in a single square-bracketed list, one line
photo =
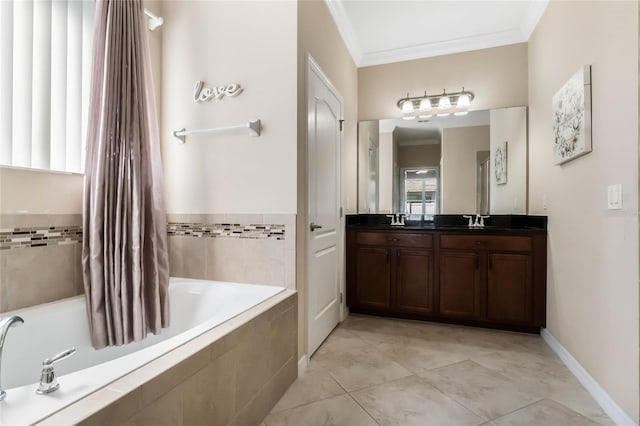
[(470, 217), (48, 381), (393, 218), (482, 218), (402, 216)]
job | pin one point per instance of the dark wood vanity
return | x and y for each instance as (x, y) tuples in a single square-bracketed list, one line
[(491, 277)]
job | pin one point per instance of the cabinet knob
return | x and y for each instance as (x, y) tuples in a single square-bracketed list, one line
[(395, 240)]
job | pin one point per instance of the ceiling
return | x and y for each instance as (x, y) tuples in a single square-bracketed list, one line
[(384, 31)]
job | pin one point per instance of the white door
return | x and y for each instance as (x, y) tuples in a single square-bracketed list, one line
[(324, 111)]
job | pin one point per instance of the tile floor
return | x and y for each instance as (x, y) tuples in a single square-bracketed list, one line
[(379, 371)]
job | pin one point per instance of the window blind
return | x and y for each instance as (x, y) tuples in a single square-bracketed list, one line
[(45, 72)]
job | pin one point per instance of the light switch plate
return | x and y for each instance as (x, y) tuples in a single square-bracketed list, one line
[(614, 197)]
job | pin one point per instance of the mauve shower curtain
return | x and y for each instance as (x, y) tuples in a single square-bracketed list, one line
[(125, 261)]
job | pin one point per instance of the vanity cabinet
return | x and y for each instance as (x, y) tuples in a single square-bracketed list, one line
[(373, 278), (390, 272), (460, 292), (414, 281), (475, 277)]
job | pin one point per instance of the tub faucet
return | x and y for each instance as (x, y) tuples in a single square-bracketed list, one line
[(5, 324), (48, 381)]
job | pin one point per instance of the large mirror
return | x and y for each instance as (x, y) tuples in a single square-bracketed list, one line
[(476, 163)]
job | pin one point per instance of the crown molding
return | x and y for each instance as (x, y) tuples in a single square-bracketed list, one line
[(427, 50), (345, 29)]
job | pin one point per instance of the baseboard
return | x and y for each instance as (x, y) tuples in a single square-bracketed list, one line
[(601, 396), (303, 363)]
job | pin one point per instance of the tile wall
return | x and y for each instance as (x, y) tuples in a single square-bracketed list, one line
[(243, 248), (40, 259), (40, 255)]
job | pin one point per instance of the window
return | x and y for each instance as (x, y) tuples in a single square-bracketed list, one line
[(45, 75), (420, 191)]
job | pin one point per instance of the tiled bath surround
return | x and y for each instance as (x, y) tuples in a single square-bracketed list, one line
[(38, 266), (40, 259), (231, 375), (244, 248)]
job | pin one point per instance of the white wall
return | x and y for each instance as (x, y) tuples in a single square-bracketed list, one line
[(510, 125), (592, 276), (223, 42), (459, 167), (368, 135), (386, 173)]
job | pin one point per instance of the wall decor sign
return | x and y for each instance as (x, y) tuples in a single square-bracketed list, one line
[(205, 94), (500, 163), (571, 106)]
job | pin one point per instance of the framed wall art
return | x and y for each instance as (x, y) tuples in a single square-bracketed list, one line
[(500, 163), (571, 106)]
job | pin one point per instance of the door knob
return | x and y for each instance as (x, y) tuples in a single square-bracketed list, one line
[(313, 226)]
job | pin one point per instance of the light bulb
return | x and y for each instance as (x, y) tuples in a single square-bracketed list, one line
[(407, 107), (463, 101), (460, 113), (444, 103), (408, 117), (425, 104), (445, 114)]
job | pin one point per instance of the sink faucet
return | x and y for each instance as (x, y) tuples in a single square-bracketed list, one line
[(11, 321), (397, 219), (478, 222)]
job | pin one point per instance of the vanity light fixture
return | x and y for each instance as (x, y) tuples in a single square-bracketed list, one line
[(456, 103)]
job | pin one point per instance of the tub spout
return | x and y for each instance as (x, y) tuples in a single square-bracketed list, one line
[(5, 324)]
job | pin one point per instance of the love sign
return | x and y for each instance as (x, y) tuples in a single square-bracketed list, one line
[(204, 94)]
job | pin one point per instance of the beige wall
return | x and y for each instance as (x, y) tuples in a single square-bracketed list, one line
[(510, 125), (318, 35), (496, 76), (592, 302), (226, 42), (459, 171), (24, 191), (419, 155)]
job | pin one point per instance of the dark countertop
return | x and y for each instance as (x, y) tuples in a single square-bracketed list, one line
[(514, 224)]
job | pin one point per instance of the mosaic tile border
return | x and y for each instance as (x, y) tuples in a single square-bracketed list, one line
[(41, 236), (226, 230), (14, 238)]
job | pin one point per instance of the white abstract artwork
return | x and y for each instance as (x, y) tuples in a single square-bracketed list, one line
[(571, 106), (500, 163)]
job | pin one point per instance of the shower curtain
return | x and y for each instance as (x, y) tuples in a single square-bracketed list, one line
[(124, 257)]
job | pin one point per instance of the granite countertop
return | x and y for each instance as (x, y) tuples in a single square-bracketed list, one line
[(521, 224)]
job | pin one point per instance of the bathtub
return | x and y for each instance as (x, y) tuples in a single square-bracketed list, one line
[(196, 307)]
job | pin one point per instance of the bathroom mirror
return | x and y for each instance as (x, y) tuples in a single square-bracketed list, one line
[(476, 163)]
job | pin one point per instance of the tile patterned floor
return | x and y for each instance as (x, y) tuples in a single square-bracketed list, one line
[(379, 371)]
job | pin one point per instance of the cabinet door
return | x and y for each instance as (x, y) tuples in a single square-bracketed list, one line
[(373, 278), (414, 281), (460, 285), (509, 289)]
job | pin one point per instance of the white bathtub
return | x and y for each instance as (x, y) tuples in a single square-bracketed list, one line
[(196, 306)]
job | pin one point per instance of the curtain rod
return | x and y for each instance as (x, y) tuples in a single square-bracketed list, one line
[(155, 21)]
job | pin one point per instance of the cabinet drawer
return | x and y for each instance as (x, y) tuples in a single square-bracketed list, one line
[(485, 242), (395, 239)]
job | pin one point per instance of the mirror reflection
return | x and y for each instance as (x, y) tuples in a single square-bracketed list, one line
[(476, 163)]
